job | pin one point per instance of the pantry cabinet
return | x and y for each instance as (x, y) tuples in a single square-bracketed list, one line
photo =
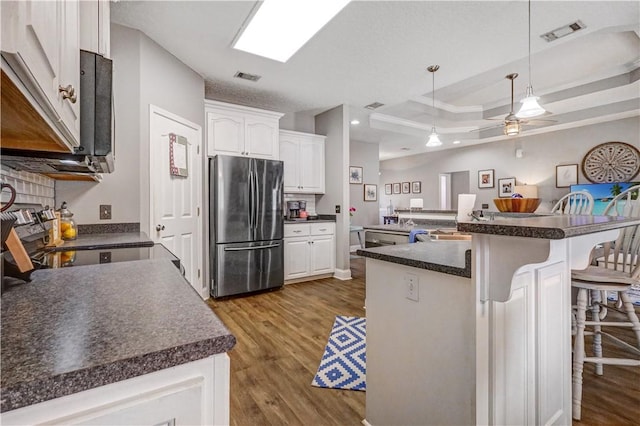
[(309, 250), (303, 157), (241, 131), (41, 47)]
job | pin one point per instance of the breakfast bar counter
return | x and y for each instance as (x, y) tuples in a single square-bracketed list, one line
[(490, 347)]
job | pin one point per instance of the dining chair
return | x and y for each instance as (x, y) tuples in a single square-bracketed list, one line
[(616, 269), (577, 202)]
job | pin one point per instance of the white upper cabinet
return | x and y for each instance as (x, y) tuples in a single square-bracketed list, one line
[(241, 131), (303, 157), (95, 27), (41, 46)]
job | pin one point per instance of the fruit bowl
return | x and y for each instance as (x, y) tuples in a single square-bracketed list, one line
[(517, 205)]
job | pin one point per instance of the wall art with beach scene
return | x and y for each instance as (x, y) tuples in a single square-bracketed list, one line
[(603, 192)]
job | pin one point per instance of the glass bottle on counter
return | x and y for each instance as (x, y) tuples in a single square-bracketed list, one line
[(68, 227)]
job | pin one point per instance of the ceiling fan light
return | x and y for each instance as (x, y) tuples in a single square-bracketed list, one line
[(512, 128), (434, 139)]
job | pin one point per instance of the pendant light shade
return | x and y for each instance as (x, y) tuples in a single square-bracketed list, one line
[(530, 106), (434, 139)]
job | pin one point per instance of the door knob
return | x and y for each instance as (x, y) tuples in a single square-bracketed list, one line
[(159, 228)]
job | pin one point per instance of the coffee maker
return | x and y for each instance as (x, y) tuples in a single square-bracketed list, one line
[(303, 209), (293, 210)]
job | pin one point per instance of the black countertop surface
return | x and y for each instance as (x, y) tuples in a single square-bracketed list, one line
[(74, 329), (553, 227), (107, 240), (448, 257)]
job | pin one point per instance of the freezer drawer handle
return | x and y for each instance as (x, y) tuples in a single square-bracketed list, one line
[(251, 248)]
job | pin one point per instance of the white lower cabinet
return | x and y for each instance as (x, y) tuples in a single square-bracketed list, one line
[(309, 250), (195, 393)]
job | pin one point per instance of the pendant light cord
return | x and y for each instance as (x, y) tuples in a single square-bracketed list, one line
[(433, 96), (530, 43)]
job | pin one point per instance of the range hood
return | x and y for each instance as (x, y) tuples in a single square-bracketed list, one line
[(95, 154)]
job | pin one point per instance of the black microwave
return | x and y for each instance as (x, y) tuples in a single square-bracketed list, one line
[(95, 154)]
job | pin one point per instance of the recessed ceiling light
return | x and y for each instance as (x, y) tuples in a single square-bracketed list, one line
[(456, 142), (280, 27), (354, 122)]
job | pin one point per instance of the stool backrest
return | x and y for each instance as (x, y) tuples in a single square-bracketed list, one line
[(625, 204), (579, 202), (625, 253)]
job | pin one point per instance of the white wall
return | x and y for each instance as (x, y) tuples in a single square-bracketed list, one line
[(541, 154), (334, 123), (364, 155), (144, 74)]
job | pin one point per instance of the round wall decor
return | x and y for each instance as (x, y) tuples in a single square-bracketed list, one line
[(611, 162)]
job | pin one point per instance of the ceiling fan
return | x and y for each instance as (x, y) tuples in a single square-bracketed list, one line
[(511, 123)]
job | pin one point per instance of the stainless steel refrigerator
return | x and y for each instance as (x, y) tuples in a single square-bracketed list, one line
[(246, 223)]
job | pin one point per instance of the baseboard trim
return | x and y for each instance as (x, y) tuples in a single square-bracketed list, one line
[(342, 274), (308, 278)]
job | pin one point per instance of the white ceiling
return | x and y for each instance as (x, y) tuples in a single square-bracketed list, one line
[(379, 50)]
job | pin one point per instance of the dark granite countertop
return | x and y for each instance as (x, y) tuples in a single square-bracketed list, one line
[(448, 257), (108, 240), (432, 225), (74, 329), (443, 212), (294, 222), (553, 227)]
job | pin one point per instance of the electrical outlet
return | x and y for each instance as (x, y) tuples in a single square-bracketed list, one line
[(485, 206), (105, 257), (105, 211), (411, 287)]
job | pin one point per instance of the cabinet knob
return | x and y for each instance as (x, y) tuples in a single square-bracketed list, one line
[(159, 228), (68, 92)]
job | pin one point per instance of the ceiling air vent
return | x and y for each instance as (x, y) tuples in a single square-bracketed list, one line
[(247, 76), (563, 31), (374, 105)]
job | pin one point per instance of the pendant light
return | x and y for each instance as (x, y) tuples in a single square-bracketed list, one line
[(530, 106), (434, 139)]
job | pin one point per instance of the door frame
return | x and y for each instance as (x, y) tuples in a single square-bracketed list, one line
[(197, 197)]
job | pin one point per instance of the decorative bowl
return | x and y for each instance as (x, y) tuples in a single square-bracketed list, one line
[(517, 205)]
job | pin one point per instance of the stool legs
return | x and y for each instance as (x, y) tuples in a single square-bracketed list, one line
[(631, 314), (578, 353)]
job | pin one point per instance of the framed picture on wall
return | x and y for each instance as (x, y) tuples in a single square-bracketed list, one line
[(355, 174), (406, 187), (370, 192), (566, 175), (485, 178), (506, 187), (416, 187), (396, 188), (388, 189)]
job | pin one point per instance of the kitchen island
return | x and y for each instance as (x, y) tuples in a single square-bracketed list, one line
[(494, 348), (128, 342)]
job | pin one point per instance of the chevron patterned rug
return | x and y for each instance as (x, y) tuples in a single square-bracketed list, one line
[(343, 365)]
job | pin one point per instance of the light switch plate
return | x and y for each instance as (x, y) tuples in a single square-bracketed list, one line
[(105, 211)]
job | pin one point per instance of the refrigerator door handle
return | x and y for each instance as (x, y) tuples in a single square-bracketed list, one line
[(251, 200), (251, 248)]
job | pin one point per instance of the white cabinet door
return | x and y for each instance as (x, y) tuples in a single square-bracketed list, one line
[(289, 154), (95, 32), (296, 257), (40, 42), (225, 134), (70, 66), (323, 254), (312, 165), (261, 138)]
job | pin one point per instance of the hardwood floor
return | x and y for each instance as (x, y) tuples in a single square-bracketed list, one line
[(281, 338)]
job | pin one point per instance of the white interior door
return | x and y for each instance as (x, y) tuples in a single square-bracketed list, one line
[(176, 200)]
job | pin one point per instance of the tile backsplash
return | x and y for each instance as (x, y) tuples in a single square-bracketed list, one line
[(31, 188)]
